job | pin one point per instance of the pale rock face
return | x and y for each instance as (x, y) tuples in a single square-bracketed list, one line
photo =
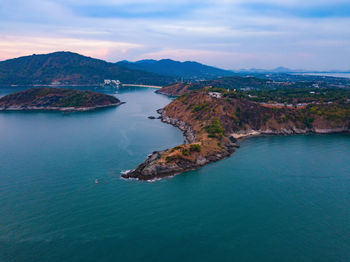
[(285, 131), (330, 130), (188, 132), (245, 133)]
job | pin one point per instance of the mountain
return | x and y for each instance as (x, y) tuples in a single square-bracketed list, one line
[(66, 68), (276, 70), (186, 70)]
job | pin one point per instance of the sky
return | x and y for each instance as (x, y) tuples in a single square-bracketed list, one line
[(231, 34)]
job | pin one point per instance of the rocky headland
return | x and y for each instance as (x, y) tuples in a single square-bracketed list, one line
[(56, 99), (213, 126)]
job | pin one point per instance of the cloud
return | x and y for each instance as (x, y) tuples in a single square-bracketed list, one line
[(13, 46), (227, 33), (324, 10), (136, 9)]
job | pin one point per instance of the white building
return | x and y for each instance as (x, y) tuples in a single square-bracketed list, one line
[(215, 94)]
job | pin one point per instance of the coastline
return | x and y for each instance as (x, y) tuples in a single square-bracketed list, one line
[(285, 132), (151, 170), (78, 85), (186, 129)]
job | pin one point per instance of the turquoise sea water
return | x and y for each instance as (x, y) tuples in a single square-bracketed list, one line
[(276, 199)]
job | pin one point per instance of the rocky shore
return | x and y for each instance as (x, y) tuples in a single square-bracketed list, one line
[(154, 168), (187, 130)]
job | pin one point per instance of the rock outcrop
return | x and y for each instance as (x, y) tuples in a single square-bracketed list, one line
[(187, 130)]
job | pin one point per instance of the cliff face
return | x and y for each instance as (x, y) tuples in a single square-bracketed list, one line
[(213, 125), (56, 99)]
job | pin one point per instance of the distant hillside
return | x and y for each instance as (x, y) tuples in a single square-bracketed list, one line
[(234, 82), (187, 70), (260, 82), (68, 68), (286, 70)]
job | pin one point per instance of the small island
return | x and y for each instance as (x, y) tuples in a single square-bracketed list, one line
[(215, 119), (56, 99)]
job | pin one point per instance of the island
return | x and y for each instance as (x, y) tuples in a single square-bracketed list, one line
[(56, 99), (215, 119)]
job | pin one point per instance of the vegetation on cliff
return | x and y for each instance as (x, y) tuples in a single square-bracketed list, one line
[(56, 99)]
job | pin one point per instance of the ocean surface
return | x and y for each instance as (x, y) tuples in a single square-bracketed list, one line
[(345, 75), (276, 199)]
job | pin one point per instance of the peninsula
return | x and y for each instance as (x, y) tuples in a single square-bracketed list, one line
[(214, 119), (56, 99)]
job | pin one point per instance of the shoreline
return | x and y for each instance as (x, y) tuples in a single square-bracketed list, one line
[(78, 85), (60, 109), (186, 129), (254, 133), (171, 170)]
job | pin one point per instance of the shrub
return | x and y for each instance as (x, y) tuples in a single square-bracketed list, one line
[(201, 107), (195, 148), (215, 128), (185, 152), (182, 98), (170, 158)]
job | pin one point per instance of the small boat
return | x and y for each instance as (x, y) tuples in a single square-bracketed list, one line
[(96, 181)]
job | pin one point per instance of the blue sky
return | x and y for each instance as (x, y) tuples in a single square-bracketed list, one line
[(232, 34)]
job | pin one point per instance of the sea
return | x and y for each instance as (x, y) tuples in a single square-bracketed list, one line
[(342, 75), (278, 198)]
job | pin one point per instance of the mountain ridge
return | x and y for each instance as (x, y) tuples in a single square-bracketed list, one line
[(68, 68), (189, 70)]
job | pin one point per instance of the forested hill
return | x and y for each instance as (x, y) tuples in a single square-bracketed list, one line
[(186, 70), (234, 82), (66, 68)]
